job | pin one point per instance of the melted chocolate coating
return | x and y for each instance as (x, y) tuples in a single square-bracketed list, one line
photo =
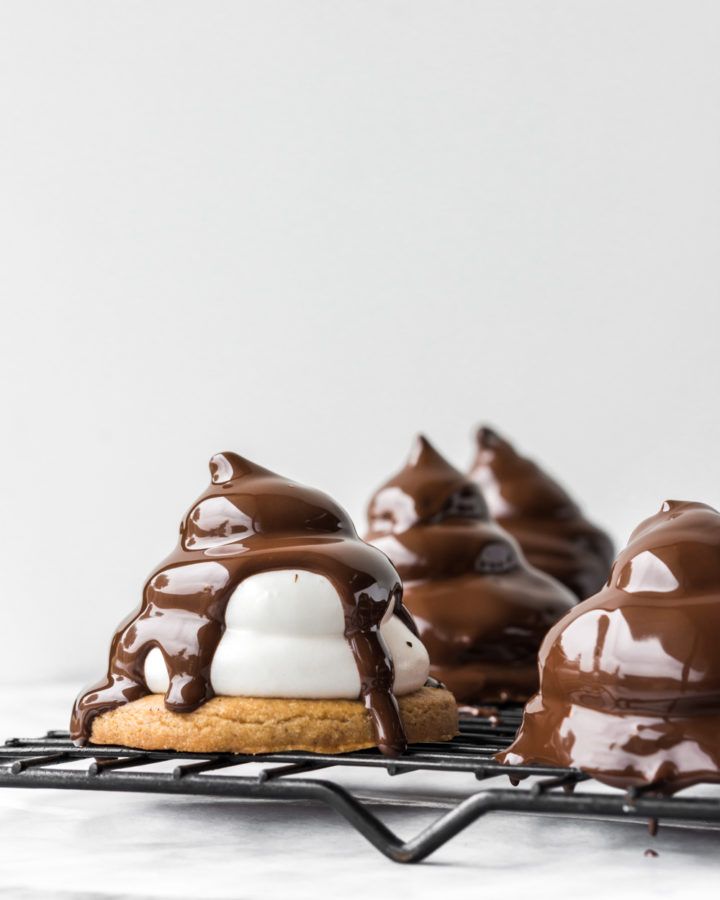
[(630, 679), (480, 608), (250, 520), (536, 510)]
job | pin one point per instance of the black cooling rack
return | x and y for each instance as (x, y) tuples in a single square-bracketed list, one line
[(38, 763)]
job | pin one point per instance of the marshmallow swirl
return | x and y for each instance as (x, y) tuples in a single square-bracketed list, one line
[(284, 637)]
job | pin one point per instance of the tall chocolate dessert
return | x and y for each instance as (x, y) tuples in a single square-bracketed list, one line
[(250, 523), (481, 609), (630, 679), (539, 513)]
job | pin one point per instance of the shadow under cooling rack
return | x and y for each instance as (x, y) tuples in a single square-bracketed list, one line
[(37, 763)]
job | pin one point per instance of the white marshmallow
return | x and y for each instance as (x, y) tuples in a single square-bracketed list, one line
[(284, 637)]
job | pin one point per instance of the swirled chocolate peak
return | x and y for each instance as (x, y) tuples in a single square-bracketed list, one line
[(481, 609), (250, 521), (630, 679), (536, 510)]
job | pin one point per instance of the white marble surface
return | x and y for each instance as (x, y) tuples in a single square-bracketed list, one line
[(71, 844)]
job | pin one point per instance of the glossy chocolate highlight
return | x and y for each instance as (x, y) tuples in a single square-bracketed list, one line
[(481, 610), (630, 679), (555, 536), (250, 520)]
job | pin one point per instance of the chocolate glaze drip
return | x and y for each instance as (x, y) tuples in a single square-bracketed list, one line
[(630, 679), (537, 511), (480, 608), (250, 520)]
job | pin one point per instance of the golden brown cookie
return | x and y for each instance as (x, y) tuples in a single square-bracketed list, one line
[(269, 725)]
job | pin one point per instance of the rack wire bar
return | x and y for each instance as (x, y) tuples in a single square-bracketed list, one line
[(38, 763)]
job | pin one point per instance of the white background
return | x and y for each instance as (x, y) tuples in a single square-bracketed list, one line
[(306, 230)]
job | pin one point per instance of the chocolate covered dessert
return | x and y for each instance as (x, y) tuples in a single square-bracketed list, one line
[(630, 679), (481, 609), (555, 536), (271, 626)]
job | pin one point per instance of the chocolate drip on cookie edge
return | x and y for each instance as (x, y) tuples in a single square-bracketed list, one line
[(250, 520)]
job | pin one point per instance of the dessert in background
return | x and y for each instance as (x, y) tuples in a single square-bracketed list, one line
[(630, 679), (271, 626), (537, 511), (481, 609)]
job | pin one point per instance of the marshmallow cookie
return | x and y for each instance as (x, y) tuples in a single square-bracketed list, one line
[(630, 679), (548, 524), (270, 627), (481, 609)]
